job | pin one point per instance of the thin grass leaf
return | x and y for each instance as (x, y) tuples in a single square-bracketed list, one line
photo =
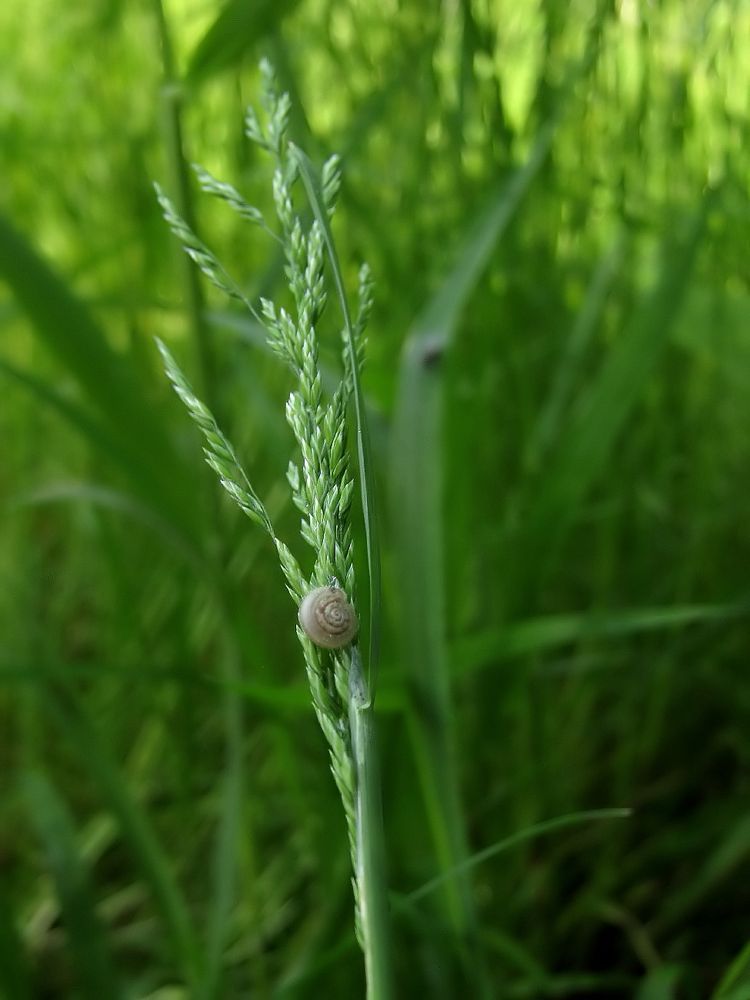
[(95, 431), (552, 412), (225, 859), (115, 500), (536, 635), (94, 971), (730, 855), (661, 983), (290, 700), (416, 491), (238, 27), (107, 380), (735, 983), (522, 837), (68, 328), (15, 974), (136, 830), (602, 414)]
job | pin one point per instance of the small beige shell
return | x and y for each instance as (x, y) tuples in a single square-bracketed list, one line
[(328, 618)]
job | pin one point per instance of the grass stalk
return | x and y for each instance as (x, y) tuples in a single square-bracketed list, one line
[(171, 95), (321, 483), (370, 860)]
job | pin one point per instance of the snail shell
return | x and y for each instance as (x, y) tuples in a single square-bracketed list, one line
[(327, 618)]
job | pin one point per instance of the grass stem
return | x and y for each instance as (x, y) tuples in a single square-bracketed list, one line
[(370, 860)]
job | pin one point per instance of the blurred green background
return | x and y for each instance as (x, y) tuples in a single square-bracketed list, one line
[(553, 200)]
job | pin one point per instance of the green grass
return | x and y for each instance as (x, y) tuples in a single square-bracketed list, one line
[(552, 201)]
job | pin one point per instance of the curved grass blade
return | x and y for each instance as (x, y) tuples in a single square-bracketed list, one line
[(115, 500), (535, 635), (289, 700), (735, 984), (239, 26), (551, 415), (136, 830), (92, 962), (530, 833), (725, 860), (225, 857), (15, 975), (95, 431), (416, 497), (552, 504), (109, 382), (150, 509)]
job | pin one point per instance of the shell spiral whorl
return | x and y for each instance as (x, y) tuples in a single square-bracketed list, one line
[(327, 618)]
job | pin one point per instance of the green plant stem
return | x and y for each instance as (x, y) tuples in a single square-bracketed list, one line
[(180, 183), (230, 817), (370, 860)]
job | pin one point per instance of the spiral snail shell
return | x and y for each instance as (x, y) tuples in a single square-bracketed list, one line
[(327, 618)]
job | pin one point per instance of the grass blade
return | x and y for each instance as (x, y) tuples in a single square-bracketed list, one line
[(535, 635), (92, 962), (552, 413), (554, 500), (225, 861), (136, 831), (93, 430), (416, 475), (121, 503), (68, 329), (15, 975), (515, 840), (735, 984), (239, 26)]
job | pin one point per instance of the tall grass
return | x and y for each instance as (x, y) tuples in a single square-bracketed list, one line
[(552, 200)]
